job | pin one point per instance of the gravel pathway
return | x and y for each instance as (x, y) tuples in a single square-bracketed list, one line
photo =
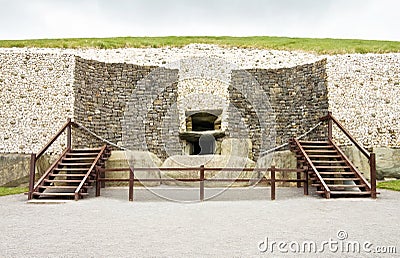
[(231, 225)]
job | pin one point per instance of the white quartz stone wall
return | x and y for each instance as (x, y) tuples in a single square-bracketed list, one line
[(36, 98), (203, 85), (364, 94)]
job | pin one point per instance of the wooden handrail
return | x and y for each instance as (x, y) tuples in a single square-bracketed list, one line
[(347, 133), (327, 190), (54, 138), (370, 156), (78, 189), (35, 157)]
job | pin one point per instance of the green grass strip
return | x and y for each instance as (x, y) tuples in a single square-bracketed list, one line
[(12, 190), (390, 185), (314, 45)]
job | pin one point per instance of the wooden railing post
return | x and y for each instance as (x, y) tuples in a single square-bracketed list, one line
[(272, 182), (372, 165), (97, 181), (305, 181), (69, 137), (32, 171), (202, 183), (102, 176), (298, 175), (330, 127), (131, 183)]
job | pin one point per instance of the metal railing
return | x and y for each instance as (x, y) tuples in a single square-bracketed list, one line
[(202, 179)]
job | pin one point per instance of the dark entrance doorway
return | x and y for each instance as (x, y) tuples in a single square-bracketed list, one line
[(203, 122), (204, 145), (202, 129)]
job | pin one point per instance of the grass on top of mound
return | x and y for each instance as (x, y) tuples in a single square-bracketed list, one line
[(12, 190), (390, 185), (315, 45)]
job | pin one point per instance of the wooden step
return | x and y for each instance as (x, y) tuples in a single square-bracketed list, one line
[(82, 154), (336, 173), (333, 167), (306, 147), (86, 150), (67, 175), (58, 194), (341, 179), (351, 193), (63, 186), (78, 159), (329, 161), (345, 186), (339, 186), (71, 169), (314, 142), (62, 181), (321, 151), (75, 164), (323, 156)]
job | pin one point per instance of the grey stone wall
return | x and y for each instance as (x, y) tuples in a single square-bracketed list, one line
[(297, 96), (151, 120), (101, 92), (136, 106), (126, 104)]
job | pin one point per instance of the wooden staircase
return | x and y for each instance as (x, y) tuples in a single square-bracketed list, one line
[(72, 174), (330, 170)]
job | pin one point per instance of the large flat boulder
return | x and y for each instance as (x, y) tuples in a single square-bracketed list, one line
[(279, 159), (214, 161), (236, 147), (387, 163), (137, 159)]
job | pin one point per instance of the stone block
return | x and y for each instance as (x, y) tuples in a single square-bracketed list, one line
[(236, 147), (214, 161), (137, 159)]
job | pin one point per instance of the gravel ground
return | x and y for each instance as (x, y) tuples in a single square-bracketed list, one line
[(230, 225)]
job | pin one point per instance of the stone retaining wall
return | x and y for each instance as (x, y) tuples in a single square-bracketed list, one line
[(125, 104), (279, 104)]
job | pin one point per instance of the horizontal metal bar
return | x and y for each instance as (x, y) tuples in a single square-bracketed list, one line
[(116, 169), (197, 180), (289, 170)]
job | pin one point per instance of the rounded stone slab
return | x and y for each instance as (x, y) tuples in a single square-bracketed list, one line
[(209, 161)]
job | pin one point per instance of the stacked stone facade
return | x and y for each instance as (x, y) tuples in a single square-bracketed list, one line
[(141, 104)]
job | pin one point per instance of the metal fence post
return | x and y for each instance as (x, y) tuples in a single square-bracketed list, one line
[(272, 182), (202, 183), (372, 165), (97, 181), (305, 181), (298, 175), (131, 183), (32, 171), (69, 133)]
